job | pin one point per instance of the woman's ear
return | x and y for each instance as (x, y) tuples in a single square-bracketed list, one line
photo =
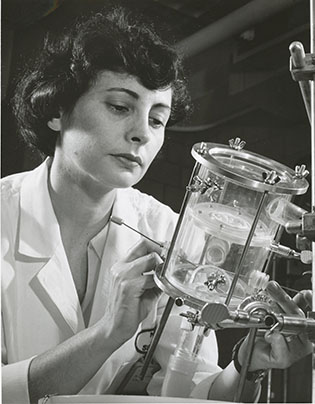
[(54, 124)]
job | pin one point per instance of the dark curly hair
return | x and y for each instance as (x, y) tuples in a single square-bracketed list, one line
[(117, 41)]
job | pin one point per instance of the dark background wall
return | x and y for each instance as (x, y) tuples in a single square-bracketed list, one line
[(241, 86)]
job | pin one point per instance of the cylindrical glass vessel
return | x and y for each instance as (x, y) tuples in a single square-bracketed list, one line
[(227, 188)]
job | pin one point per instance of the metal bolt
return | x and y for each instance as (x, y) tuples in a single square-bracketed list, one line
[(271, 177), (301, 172), (237, 143)]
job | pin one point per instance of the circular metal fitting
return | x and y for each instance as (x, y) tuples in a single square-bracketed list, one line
[(249, 169), (179, 301)]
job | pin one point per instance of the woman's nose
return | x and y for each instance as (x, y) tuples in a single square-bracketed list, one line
[(139, 132)]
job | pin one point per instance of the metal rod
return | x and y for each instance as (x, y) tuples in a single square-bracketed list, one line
[(312, 42), (312, 50), (285, 385), (248, 356), (269, 387), (245, 249), (298, 61), (156, 337), (180, 220)]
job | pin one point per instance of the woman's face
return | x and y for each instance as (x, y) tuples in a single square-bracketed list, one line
[(113, 133)]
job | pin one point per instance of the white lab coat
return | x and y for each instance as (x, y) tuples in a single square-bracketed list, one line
[(40, 306)]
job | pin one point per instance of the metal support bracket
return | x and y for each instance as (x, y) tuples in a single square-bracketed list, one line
[(304, 72)]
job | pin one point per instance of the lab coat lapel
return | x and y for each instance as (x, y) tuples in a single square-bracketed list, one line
[(120, 239), (40, 241), (54, 285)]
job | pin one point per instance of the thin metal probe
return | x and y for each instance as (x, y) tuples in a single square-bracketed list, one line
[(247, 359), (120, 222)]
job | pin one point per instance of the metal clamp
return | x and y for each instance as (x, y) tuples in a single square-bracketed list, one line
[(200, 185), (302, 65), (192, 318)]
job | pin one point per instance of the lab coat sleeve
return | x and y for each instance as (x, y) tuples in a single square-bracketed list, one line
[(15, 374), (14, 382), (202, 389)]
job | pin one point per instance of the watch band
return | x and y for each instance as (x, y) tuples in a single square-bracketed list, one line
[(257, 375)]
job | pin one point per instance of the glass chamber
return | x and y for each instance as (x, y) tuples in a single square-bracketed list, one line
[(221, 245)]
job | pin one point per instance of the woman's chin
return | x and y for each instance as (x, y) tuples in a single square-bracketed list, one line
[(120, 180), (126, 181)]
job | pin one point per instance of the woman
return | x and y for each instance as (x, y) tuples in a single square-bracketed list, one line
[(75, 290)]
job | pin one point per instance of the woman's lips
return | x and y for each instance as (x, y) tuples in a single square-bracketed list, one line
[(128, 160)]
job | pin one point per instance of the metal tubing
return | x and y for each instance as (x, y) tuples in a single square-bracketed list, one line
[(245, 249), (296, 325), (234, 23), (284, 323)]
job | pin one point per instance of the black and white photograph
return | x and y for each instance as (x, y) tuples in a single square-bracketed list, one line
[(157, 201)]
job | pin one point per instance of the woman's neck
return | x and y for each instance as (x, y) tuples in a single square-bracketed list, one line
[(77, 205)]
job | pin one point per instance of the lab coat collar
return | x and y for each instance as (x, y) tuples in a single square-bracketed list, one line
[(120, 237), (39, 233), (54, 286), (39, 239)]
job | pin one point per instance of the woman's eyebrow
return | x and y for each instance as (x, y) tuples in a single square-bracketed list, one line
[(162, 105), (135, 95), (124, 90)]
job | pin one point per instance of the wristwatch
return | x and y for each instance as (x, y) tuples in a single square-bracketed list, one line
[(257, 375)]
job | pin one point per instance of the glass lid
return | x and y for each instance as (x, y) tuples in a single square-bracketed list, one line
[(249, 168)]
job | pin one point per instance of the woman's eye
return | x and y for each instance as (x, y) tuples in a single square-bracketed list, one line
[(156, 123), (118, 108)]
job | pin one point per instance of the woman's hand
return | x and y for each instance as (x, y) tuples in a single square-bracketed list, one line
[(275, 350), (132, 293)]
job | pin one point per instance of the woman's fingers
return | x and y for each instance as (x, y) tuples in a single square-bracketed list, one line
[(136, 276), (136, 267), (283, 300), (143, 247), (286, 350), (278, 351), (304, 299)]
